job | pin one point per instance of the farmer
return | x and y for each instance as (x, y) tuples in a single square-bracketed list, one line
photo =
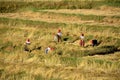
[(94, 42), (82, 42), (59, 34), (47, 50), (28, 42), (55, 37), (26, 45)]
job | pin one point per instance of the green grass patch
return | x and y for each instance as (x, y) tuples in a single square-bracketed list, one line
[(115, 3), (12, 6), (69, 61), (102, 50)]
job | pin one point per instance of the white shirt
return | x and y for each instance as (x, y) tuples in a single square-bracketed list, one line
[(82, 37), (48, 48), (27, 42), (59, 33)]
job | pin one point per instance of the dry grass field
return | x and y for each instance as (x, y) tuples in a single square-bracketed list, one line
[(68, 60)]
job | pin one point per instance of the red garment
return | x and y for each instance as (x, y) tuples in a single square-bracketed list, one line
[(59, 30), (28, 40), (82, 43)]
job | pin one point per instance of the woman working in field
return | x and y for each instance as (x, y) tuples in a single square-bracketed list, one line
[(82, 42), (58, 36)]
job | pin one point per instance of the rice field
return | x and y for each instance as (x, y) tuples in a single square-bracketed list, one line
[(67, 60)]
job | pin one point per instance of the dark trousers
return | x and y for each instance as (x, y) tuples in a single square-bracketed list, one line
[(59, 38)]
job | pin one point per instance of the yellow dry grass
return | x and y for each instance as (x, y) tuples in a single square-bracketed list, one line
[(103, 11), (38, 16), (37, 63)]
